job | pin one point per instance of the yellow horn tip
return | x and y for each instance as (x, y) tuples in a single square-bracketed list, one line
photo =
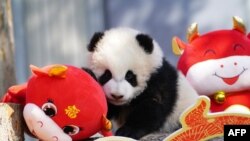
[(58, 71), (192, 32), (238, 24), (107, 125), (175, 47)]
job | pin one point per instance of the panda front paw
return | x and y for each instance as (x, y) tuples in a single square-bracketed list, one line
[(131, 132)]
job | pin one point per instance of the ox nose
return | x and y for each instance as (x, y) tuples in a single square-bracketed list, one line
[(117, 97)]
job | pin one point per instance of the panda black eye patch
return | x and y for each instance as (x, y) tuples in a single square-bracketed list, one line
[(131, 78), (105, 77)]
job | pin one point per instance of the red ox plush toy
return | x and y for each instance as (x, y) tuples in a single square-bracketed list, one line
[(61, 103), (217, 65)]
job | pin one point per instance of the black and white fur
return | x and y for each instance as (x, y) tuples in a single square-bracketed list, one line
[(145, 93)]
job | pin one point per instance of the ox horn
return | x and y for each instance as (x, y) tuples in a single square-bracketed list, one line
[(192, 32), (178, 46), (51, 71), (238, 24), (58, 71)]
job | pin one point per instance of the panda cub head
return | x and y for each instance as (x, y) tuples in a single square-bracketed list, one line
[(123, 60)]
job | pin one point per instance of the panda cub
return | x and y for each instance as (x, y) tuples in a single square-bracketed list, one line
[(145, 93)]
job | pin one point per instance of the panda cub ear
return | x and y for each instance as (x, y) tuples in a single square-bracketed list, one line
[(146, 42), (90, 72), (94, 40)]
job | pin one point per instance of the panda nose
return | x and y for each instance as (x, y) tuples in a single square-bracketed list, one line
[(117, 97)]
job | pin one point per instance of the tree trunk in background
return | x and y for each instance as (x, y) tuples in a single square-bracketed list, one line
[(11, 118), (7, 71)]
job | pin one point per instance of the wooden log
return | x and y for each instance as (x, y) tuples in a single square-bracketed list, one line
[(11, 122)]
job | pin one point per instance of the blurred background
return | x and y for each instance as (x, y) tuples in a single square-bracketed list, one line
[(58, 31)]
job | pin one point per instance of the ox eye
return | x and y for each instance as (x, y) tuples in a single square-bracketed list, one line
[(238, 47), (49, 109), (209, 52), (131, 78), (107, 75), (71, 129)]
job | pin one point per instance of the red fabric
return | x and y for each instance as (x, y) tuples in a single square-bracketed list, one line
[(216, 45), (239, 98), (77, 90), (16, 94), (106, 133), (213, 45)]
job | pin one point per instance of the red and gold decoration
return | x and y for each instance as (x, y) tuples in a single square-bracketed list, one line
[(200, 125)]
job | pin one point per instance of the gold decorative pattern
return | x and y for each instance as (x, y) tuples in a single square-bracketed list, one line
[(72, 111), (220, 97), (200, 125)]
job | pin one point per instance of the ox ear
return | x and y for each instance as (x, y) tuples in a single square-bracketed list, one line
[(15, 94), (239, 25), (37, 71), (178, 46), (58, 71)]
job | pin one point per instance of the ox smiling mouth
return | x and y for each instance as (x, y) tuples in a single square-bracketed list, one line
[(231, 80)]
